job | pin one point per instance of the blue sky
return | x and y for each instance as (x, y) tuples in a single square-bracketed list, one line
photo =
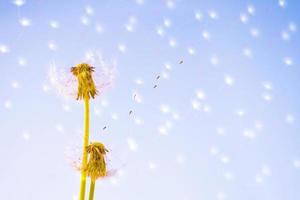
[(221, 125)]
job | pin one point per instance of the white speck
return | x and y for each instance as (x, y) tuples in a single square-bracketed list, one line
[(114, 116), (267, 97), (7, 104), (214, 60), (296, 163), (201, 94), (225, 159), (26, 135), (206, 35), (285, 35), (196, 105), (247, 52), (175, 116), (99, 28), (229, 80), (85, 20), (129, 27), (165, 75), (19, 2), (170, 4), (213, 14), (266, 171), (167, 23), (228, 176), (52, 46), (282, 3), (163, 130), (289, 118), (4, 48), (122, 48), (66, 108), (292, 27), (168, 66), (244, 18), (25, 22), (221, 131), (89, 10), (249, 134), (191, 51), (54, 24), (180, 158), (198, 15), (240, 112), (267, 85), (251, 9), (152, 165), (164, 108), (132, 144), (259, 125), (206, 108), (45, 88), (59, 128), (172, 42), (97, 111), (214, 151), (254, 32), (160, 31), (139, 81), (288, 61), (138, 121), (15, 84), (221, 196), (139, 2), (22, 61), (259, 179)]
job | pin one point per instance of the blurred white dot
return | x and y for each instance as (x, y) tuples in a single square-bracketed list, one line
[(292, 27), (259, 179), (198, 15), (22, 61), (7, 104), (59, 128), (214, 151), (285, 35), (152, 165), (206, 108), (97, 111), (251, 9), (122, 48), (54, 24), (170, 4), (52, 46), (221, 196), (85, 20), (247, 52), (249, 134), (15, 84), (229, 80), (244, 18), (167, 23), (288, 61), (4, 48), (296, 163), (139, 81), (164, 108), (266, 171), (66, 108), (140, 2), (160, 31), (201, 94), (26, 135), (168, 66), (46, 88), (191, 51), (163, 130), (25, 22), (89, 10), (259, 125), (19, 2), (137, 97), (172, 42), (225, 159), (129, 27), (221, 131), (254, 32), (180, 158), (289, 118), (214, 60), (267, 85), (98, 28), (282, 3), (213, 14), (240, 112), (138, 121), (132, 144), (175, 116), (196, 105), (115, 116), (267, 97), (206, 35), (228, 176)]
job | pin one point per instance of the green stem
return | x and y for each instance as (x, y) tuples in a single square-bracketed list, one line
[(92, 189), (85, 144)]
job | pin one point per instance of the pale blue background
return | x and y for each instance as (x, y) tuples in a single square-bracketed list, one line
[(37, 168)]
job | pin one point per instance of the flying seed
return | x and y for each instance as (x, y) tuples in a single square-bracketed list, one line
[(181, 62), (155, 86)]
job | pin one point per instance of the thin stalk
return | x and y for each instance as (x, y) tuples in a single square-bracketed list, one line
[(92, 189), (85, 144)]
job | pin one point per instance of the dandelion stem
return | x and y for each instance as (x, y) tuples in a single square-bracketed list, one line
[(85, 144), (92, 189)]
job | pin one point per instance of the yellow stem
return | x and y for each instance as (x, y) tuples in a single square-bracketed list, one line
[(92, 189), (85, 144)]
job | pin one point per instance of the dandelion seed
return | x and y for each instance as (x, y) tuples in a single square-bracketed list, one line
[(213, 14), (172, 42), (25, 22), (170, 4), (4, 48), (160, 31), (225, 159), (289, 118), (140, 2), (164, 108), (251, 9), (15, 84), (285, 35), (19, 2), (7, 104), (99, 28), (259, 179), (54, 24), (240, 112), (267, 85), (214, 60), (139, 81), (201, 94), (122, 48), (198, 15), (167, 23), (292, 27), (288, 61), (229, 80), (214, 151), (296, 163), (249, 134), (89, 10), (247, 52), (282, 3), (244, 18), (52, 46), (206, 35), (254, 32), (181, 62), (115, 116), (191, 51), (267, 97), (85, 21)]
